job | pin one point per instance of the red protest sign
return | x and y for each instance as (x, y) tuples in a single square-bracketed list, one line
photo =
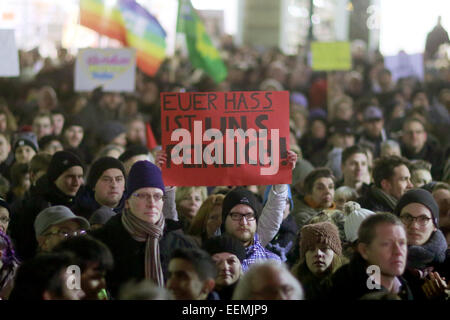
[(225, 138)]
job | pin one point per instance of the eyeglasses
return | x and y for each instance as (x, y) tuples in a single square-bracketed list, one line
[(238, 217), (146, 196), (421, 220), (4, 219), (66, 234)]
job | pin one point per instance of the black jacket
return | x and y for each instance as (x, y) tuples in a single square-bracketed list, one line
[(45, 194), (85, 203), (431, 256), (369, 200), (430, 152), (350, 282), (129, 254)]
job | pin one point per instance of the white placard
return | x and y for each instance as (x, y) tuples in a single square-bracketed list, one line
[(404, 65), (113, 69), (9, 57)]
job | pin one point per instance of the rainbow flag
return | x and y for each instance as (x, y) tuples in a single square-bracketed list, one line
[(132, 25)]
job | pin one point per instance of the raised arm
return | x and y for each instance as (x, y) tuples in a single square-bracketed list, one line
[(169, 208), (272, 214)]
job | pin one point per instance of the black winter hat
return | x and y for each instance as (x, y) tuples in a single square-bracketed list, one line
[(100, 166), (419, 196), (134, 150), (61, 161), (237, 196), (26, 139), (225, 243), (73, 121)]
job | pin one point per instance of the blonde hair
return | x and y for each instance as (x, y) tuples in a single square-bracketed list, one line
[(184, 191), (198, 224)]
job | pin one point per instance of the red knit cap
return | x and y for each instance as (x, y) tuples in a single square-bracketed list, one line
[(320, 233)]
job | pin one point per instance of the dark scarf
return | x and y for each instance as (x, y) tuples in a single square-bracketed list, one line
[(428, 254), (151, 233), (383, 197)]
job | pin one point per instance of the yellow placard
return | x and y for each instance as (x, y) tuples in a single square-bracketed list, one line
[(331, 56)]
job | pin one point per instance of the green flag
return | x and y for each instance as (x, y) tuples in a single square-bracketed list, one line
[(202, 53)]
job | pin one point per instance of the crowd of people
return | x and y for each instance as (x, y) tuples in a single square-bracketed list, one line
[(367, 215)]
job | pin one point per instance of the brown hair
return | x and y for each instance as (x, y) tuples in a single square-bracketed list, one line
[(366, 232), (383, 168), (314, 175), (198, 224)]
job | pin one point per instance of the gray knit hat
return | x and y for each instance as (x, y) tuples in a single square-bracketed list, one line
[(54, 215), (355, 215)]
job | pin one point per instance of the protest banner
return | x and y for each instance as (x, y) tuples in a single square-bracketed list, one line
[(331, 56), (9, 56), (405, 65), (225, 138), (113, 69)]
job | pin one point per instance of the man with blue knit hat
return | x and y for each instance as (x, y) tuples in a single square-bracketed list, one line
[(138, 238), (58, 186)]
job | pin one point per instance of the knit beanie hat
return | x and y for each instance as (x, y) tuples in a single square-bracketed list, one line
[(61, 161), (144, 174), (73, 121), (26, 139), (225, 243), (100, 166), (320, 233), (102, 215), (132, 151), (237, 196), (45, 140), (110, 130), (419, 196), (355, 215)]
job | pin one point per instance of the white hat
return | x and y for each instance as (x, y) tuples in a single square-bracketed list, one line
[(355, 215)]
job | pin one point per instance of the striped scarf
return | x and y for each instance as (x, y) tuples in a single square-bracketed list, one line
[(151, 233)]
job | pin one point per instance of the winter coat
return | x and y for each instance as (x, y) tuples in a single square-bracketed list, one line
[(315, 288), (45, 194), (431, 256), (349, 282), (302, 212), (285, 238), (372, 199), (430, 152), (85, 203), (129, 254)]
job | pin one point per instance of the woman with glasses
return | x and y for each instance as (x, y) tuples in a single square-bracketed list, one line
[(428, 257)]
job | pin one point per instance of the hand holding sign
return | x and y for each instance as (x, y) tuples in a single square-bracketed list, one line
[(292, 158)]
